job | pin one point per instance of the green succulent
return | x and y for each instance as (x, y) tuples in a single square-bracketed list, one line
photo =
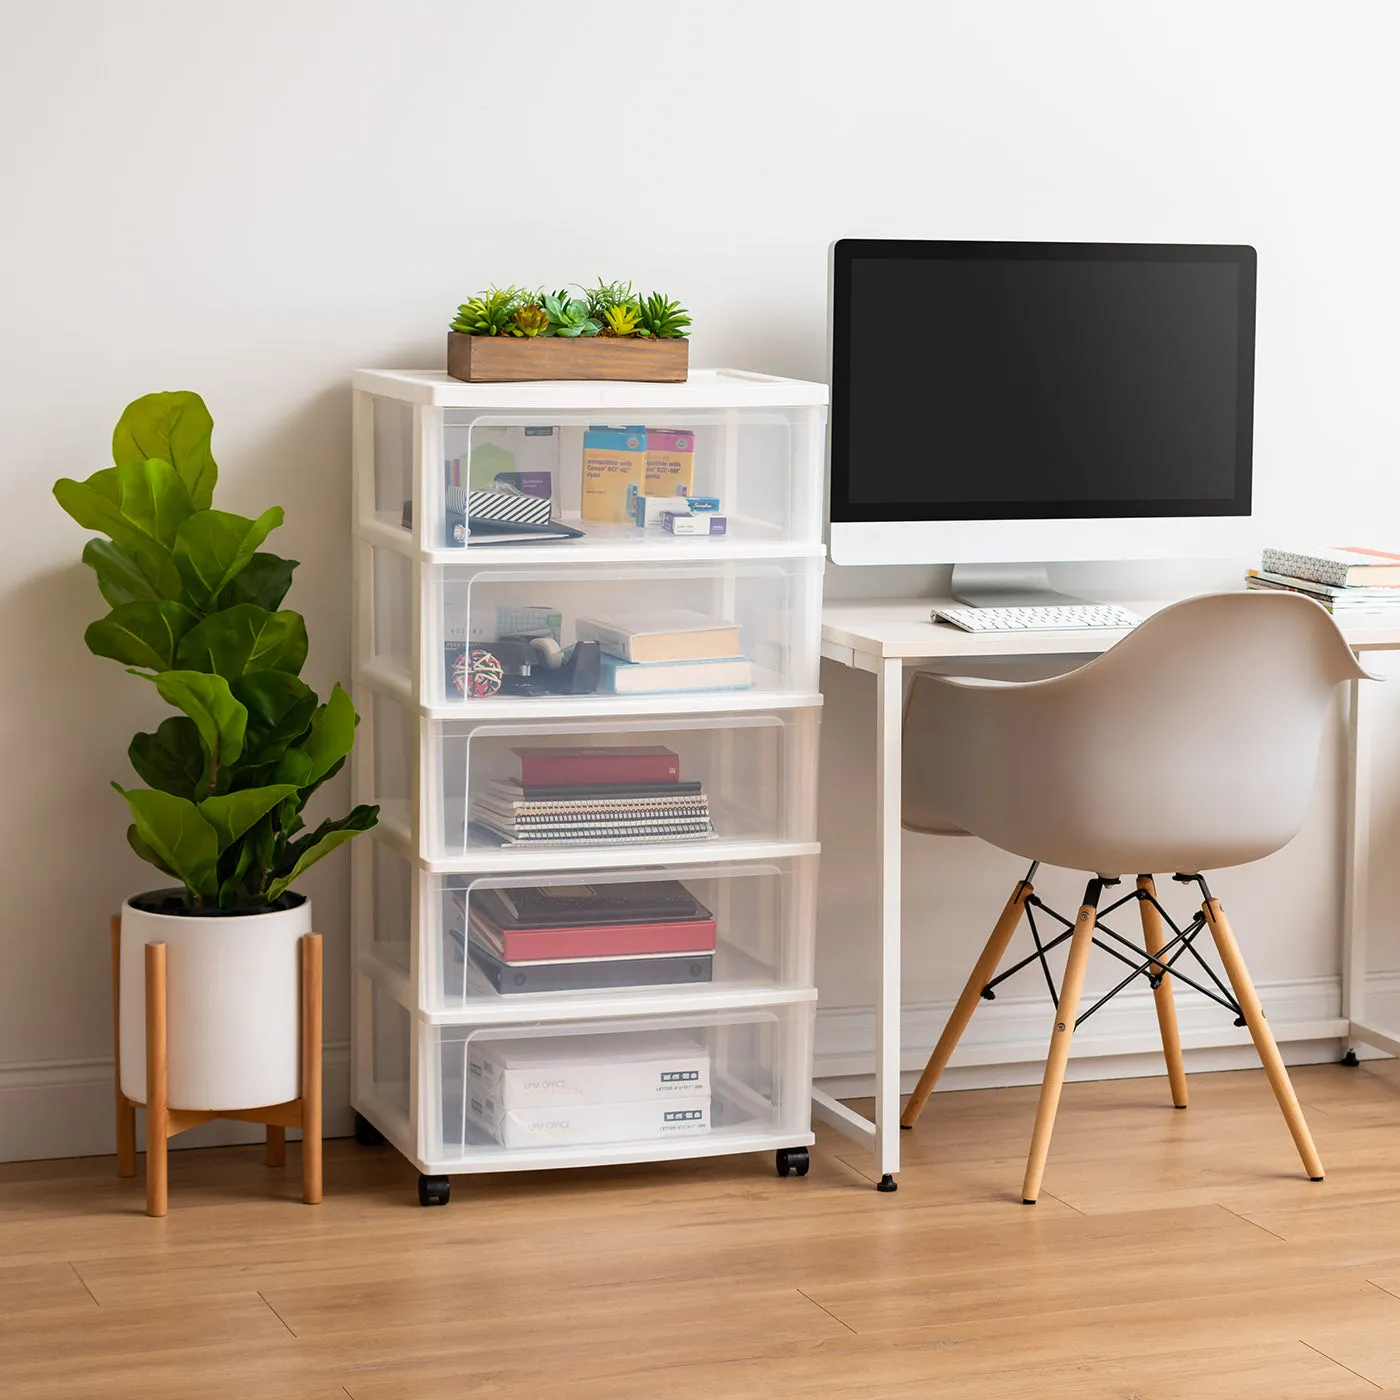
[(663, 318), (529, 319), (568, 316), (607, 295), (489, 313), (623, 320)]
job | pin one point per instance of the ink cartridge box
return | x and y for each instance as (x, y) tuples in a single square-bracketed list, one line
[(613, 459), (670, 462)]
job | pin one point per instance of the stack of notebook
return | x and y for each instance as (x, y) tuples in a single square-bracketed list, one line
[(583, 937), (592, 796), (1344, 581), (667, 653)]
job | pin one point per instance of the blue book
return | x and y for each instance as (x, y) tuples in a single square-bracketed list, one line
[(674, 677)]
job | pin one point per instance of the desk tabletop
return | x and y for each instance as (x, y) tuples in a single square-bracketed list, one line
[(859, 633)]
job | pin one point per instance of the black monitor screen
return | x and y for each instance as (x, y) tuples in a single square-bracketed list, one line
[(1002, 381)]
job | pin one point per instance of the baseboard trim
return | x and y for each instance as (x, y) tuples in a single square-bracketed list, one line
[(64, 1108), (1006, 1041)]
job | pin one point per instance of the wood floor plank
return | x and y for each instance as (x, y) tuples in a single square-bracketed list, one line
[(1174, 1256)]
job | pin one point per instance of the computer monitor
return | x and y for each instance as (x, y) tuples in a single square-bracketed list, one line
[(1004, 403)]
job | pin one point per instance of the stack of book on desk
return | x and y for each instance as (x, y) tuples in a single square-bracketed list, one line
[(607, 1088), (1344, 581), (633, 794), (582, 937), (667, 653)]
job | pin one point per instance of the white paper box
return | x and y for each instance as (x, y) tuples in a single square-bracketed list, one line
[(548, 1125), (600, 1069)]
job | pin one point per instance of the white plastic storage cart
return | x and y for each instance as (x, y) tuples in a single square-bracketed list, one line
[(455, 1068)]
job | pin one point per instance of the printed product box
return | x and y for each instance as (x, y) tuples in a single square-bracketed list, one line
[(695, 524), (628, 1067), (549, 1126), (670, 462), (613, 459)]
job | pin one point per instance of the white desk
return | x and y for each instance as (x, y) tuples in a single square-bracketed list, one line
[(882, 638)]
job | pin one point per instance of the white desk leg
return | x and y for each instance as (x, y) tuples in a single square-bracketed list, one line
[(1356, 868), (888, 834)]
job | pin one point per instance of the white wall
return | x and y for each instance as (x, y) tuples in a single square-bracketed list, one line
[(252, 199)]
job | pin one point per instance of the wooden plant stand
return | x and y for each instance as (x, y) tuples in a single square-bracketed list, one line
[(163, 1122)]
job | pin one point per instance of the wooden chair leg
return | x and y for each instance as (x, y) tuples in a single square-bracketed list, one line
[(1081, 941), (157, 1104), (276, 1146), (126, 1110), (311, 976), (1154, 941), (982, 973), (1263, 1037)]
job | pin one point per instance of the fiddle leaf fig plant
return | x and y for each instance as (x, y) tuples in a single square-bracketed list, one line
[(195, 608)]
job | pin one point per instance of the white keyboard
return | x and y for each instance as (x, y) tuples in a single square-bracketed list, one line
[(1046, 619)]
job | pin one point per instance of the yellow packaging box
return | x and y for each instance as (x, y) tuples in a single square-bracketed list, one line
[(613, 459)]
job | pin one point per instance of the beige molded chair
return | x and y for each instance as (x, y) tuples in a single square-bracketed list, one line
[(1190, 746)]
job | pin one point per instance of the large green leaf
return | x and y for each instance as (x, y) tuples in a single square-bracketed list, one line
[(245, 638), (140, 506), (263, 581), (121, 578), (133, 839), (177, 428), (235, 812), (236, 865), (320, 843), (331, 737), (220, 719), (142, 634), (279, 708), (211, 547), (173, 830), (172, 759)]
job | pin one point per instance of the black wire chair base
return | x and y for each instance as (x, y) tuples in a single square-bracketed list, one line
[(1152, 967)]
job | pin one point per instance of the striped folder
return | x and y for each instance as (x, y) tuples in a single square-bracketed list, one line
[(504, 504)]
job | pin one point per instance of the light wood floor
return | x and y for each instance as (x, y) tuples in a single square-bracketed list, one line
[(1174, 1255)]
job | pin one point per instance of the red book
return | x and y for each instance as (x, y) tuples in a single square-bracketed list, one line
[(518, 945), (562, 767)]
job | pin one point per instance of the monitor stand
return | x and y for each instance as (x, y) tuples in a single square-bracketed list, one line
[(1007, 586)]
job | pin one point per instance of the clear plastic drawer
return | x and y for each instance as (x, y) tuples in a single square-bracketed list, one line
[(504, 1097), (565, 942), (488, 635), (452, 478), (521, 794)]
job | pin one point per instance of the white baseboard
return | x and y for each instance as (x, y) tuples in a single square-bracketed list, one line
[(66, 1108), (1006, 1041)]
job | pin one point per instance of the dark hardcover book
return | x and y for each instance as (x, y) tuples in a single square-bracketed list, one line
[(568, 906), (591, 974)]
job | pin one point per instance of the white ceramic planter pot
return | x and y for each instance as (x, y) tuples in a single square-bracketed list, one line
[(232, 1005)]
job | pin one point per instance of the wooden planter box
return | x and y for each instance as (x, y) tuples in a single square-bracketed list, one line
[(495, 359)]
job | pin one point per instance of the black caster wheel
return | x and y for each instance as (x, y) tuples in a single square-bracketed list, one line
[(887, 1183), (794, 1159), (1350, 1060), (366, 1134), (434, 1190)]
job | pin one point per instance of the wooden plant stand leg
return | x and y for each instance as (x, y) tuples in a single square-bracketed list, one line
[(157, 1109), (982, 973), (1154, 941), (126, 1110), (1081, 941), (276, 1146), (311, 979), (1263, 1037)]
